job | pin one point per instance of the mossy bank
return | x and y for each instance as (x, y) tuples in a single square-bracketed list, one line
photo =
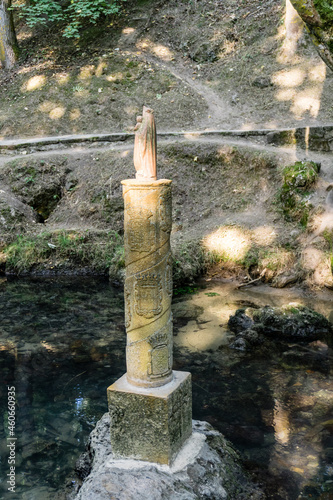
[(62, 213)]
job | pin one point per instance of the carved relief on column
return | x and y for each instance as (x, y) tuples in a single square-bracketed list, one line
[(148, 284), (165, 210), (148, 295), (140, 230)]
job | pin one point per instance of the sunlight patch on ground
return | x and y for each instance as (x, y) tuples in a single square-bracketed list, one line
[(286, 94), (47, 106), (114, 77), (318, 73), (264, 235), (271, 124), (293, 32), (311, 258), (36, 67), (34, 83), (289, 78), (100, 69), (62, 78), (74, 114), (24, 34), (86, 72), (163, 52), (57, 113), (306, 100), (128, 31), (323, 221), (228, 47), (229, 242), (301, 80), (49, 347), (249, 126), (143, 44), (131, 110)]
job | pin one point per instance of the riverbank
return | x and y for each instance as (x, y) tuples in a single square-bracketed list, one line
[(61, 212)]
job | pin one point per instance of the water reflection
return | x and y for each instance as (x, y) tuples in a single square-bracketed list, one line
[(63, 342), (273, 402)]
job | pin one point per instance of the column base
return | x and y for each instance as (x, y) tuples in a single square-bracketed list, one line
[(150, 424)]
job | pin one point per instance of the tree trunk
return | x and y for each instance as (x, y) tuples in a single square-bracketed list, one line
[(294, 29), (320, 33), (8, 42)]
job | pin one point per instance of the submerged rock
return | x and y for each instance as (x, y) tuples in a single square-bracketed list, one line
[(291, 322), (240, 321), (207, 468)]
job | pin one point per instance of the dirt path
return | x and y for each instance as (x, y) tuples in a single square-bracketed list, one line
[(219, 112), (256, 143), (255, 213)]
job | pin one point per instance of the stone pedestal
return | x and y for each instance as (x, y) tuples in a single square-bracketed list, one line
[(150, 424), (150, 406)]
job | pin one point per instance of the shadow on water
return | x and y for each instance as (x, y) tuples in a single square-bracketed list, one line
[(63, 342)]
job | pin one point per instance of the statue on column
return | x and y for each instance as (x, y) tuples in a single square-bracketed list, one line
[(145, 146)]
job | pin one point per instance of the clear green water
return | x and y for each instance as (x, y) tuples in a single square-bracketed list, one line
[(63, 342)]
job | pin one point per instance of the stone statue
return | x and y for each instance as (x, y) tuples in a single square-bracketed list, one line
[(145, 146)]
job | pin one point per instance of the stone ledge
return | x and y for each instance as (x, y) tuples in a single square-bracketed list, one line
[(320, 138), (207, 468)]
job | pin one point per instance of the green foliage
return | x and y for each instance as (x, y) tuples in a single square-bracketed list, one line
[(71, 15), (100, 252), (189, 261), (302, 174), (328, 235), (298, 179), (184, 290), (325, 9)]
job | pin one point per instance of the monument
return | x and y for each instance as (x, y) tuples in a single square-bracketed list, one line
[(151, 405)]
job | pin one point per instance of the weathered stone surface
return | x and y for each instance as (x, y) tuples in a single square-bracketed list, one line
[(206, 469), (145, 145), (240, 321), (150, 424), (14, 213), (291, 322), (311, 138), (283, 280), (148, 285)]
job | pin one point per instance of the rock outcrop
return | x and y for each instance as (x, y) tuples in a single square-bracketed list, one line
[(206, 468)]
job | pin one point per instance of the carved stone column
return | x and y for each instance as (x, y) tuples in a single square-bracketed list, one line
[(150, 406), (148, 285)]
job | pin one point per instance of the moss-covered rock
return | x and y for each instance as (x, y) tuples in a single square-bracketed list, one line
[(291, 322), (298, 180)]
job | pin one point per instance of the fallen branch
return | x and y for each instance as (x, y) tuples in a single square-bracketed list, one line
[(253, 281)]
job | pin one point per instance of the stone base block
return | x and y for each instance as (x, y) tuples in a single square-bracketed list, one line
[(150, 424)]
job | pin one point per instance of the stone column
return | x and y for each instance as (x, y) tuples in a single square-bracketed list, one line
[(148, 285), (151, 405)]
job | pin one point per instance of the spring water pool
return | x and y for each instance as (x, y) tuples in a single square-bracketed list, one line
[(62, 343)]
